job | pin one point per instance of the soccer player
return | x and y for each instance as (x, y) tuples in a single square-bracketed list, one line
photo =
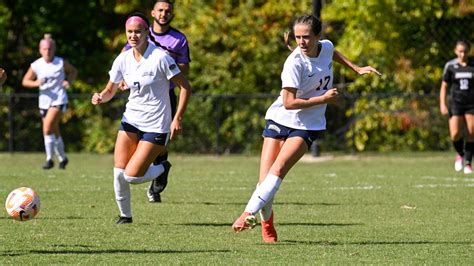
[(52, 75), (3, 77), (147, 123), (295, 119), (458, 77), (176, 44)]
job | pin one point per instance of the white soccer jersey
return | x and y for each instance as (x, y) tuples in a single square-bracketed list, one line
[(311, 76), (51, 93), (148, 107)]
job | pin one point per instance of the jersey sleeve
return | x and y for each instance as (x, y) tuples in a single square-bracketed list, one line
[(183, 52), (116, 73), (447, 73), (168, 66), (291, 75)]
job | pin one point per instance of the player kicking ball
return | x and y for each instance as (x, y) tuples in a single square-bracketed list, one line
[(295, 119)]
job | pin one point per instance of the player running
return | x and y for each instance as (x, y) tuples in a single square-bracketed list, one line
[(147, 123), (176, 44), (52, 75), (295, 119)]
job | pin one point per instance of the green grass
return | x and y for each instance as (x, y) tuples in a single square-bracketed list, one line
[(405, 208)]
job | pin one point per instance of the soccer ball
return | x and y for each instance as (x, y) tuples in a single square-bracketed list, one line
[(22, 204)]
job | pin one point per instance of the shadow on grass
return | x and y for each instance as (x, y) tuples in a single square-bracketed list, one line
[(15, 253), (244, 203), (363, 243), (283, 224)]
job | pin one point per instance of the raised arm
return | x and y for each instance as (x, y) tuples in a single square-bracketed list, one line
[(340, 58)]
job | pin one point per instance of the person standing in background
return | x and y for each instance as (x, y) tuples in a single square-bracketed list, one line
[(458, 77)]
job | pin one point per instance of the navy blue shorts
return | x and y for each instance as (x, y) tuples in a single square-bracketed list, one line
[(460, 110), (62, 107), (276, 131), (155, 138)]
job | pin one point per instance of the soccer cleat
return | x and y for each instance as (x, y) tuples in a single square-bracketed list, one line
[(245, 221), (63, 163), (269, 233), (159, 184), (152, 196), (48, 164), (458, 163), (124, 220), (468, 169)]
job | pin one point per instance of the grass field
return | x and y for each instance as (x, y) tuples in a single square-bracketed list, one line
[(404, 208)]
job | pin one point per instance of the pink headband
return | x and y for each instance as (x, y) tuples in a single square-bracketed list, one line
[(46, 41), (136, 19)]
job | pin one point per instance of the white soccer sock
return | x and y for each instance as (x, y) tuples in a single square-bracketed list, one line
[(49, 141), (266, 211), (59, 148), (263, 194), (153, 172), (122, 193)]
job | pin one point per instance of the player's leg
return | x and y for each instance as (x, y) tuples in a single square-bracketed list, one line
[(469, 147), (140, 167), (270, 149), (125, 146), (291, 151), (50, 116), (456, 126), (158, 185), (59, 143)]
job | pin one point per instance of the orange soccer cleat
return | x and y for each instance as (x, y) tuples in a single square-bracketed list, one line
[(269, 233), (245, 221)]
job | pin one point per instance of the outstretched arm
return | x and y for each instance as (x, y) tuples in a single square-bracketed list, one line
[(340, 58)]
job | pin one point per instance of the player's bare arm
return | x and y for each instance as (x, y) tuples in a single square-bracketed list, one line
[(291, 102), (184, 94), (340, 58), (106, 95)]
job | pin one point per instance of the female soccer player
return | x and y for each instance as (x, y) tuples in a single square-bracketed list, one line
[(147, 123), (458, 75), (295, 119), (52, 75)]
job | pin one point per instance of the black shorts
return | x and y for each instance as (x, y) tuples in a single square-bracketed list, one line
[(61, 107), (155, 138), (456, 109), (276, 131), (173, 102)]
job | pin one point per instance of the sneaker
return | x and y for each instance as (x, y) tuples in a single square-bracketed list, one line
[(48, 164), (152, 196), (63, 163), (468, 169), (269, 233), (124, 220), (458, 163), (245, 221)]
